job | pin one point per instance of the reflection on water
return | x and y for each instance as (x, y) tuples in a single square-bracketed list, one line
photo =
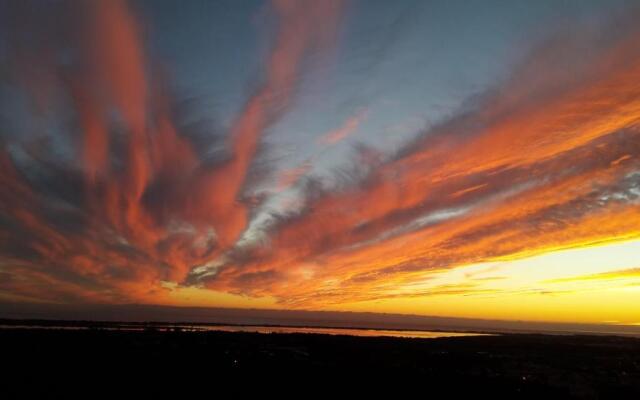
[(340, 331), (248, 328)]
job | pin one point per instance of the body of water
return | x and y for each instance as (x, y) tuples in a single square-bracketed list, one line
[(251, 328), (337, 331)]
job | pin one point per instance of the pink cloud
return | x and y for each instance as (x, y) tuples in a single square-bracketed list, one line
[(348, 127)]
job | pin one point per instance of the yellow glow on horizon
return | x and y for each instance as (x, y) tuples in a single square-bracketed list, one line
[(591, 285), (198, 297), (586, 285)]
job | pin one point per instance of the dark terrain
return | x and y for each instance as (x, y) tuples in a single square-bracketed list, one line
[(57, 363)]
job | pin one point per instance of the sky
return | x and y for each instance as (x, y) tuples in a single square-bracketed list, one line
[(474, 159)]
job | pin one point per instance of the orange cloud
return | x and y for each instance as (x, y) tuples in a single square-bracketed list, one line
[(149, 207), (349, 127), (289, 177), (532, 169)]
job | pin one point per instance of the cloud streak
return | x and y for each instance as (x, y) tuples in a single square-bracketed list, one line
[(349, 127)]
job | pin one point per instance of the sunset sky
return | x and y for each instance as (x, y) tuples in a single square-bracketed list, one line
[(448, 158)]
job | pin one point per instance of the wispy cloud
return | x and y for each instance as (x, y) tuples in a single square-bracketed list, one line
[(349, 127), (289, 177), (603, 276)]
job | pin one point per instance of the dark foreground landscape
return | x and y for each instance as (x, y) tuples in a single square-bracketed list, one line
[(63, 363)]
